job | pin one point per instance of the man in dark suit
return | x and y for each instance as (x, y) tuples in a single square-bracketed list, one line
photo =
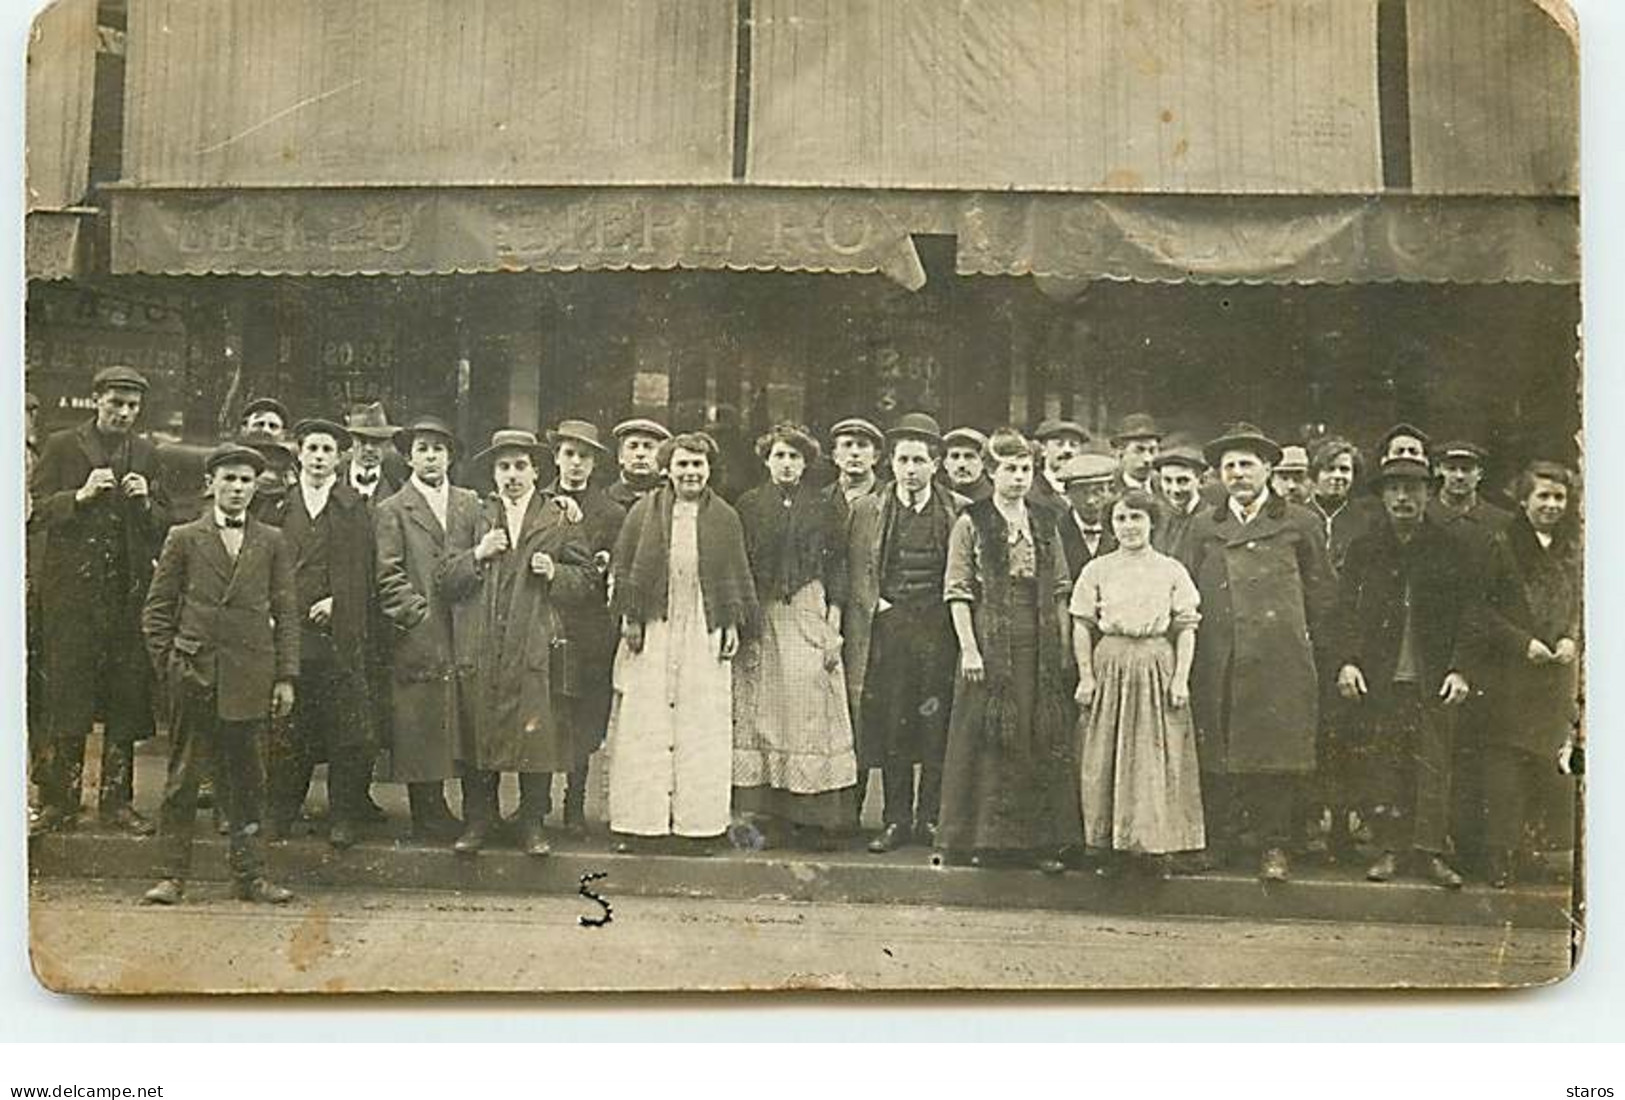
[(637, 443), (1137, 441), (100, 509), (1091, 480), (1179, 471), (372, 469), (329, 533), (222, 621), (589, 630), (1402, 642), (1059, 441)]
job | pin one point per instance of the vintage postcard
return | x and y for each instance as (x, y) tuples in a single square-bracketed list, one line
[(622, 495)]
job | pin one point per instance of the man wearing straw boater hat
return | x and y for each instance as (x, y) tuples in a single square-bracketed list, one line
[(530, 552), (588, 627), (428, 584), (637, 449), (1260, 565), (100, 508), (329, 532)]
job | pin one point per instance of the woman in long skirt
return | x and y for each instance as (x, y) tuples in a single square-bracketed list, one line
[(1135, 613), (1010, 781), (795, 771)]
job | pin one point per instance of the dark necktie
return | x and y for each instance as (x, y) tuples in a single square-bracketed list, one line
[(232, 521), (368, 478)]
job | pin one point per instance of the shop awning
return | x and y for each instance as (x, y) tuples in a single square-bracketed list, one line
[(61, 87), (1156, 238)]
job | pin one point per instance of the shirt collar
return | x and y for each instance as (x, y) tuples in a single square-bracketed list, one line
[(902, 497), (433, 492), (220, 518), (1247, 515), (520, 506)]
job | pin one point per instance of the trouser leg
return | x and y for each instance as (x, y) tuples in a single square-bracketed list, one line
[(480, 797), (1432, 761), (289, 767), (189, 760), (1271, 802), (349, 780), (239, 783), (117, 787), (64, 767), (575, 796), (1508, 780), (897, 779), (930, 801), (536, 796)]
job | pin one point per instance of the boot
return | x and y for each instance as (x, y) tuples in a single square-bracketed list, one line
[(432, 819)]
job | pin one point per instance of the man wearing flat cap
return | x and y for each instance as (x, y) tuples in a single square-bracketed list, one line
[(1061, 441), (222, 621), (899, 646), (329, 532), (588, 628), (427, 538), (1179, 471), (855, 447), (1260, 565), (1136, 442), (268, 415), (963, 467), (1404, 441), (1290, 478), (100, 508), (1091, 480), (637, 450), (1402, 644)]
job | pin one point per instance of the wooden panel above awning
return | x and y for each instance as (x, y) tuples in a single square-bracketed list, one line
[(1152, 238), (61, 89)]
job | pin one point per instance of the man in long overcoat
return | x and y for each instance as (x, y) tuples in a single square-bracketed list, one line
[(222, 620), (329, 531), (428, 588), (1403, 645), (522, 680), (898, 645), (589, 629), (99, 502), (1260, 564)]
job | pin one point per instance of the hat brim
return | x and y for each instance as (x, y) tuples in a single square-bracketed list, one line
[(384, 434), (340, 434), (403, 439), (898, 434), (487, 456), (1266, 449), (554, 438), (253, 458)]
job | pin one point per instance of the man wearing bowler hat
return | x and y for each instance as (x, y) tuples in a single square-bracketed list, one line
[(1061, 441), (637, 450), (329, 533), (374, 469), (588, 628), (100, 509), (429, 554), (900, 648), (1260, 565), (1136, 442), (1402, 644), (222, 621), (963, 464), (855, 445)]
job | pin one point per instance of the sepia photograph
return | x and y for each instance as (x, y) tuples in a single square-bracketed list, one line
[(803, 495)]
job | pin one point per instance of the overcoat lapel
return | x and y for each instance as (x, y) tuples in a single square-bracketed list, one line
[(253, 545), (214, 548), (421, 514)]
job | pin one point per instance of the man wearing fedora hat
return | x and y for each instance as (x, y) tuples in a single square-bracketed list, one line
[(373, 468), (1137, 441), (588, 628), (428, 538), (963, 465), (100, 509), (1402, 642), (1266, 588), (329, 532), (1061, 440), (1179, 471), (855, 445), (222, 620), (637, 450), (522, 681), (899, 645)]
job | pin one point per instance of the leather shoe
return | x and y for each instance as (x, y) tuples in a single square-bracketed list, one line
[(928, 834), (532, 841), (341, 835), (891, 838), (1050, 865), (472, 840), (53, 819), (261, 890), (1441, 873), (169, 891), (437, 828), (1274, 867), (1386, 867), (126, 820)]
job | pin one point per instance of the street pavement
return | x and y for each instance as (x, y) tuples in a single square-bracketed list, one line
[(93, 936)]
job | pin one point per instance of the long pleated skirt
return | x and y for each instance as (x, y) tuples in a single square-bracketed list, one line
[(1141, 782)]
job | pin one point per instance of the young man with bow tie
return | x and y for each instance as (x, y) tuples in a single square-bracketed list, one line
[(222, 622)]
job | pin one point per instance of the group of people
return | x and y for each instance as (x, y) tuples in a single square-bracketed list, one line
[(1131, 654)]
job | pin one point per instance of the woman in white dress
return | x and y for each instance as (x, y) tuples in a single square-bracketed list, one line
[(682, 591), (1135, 616)]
